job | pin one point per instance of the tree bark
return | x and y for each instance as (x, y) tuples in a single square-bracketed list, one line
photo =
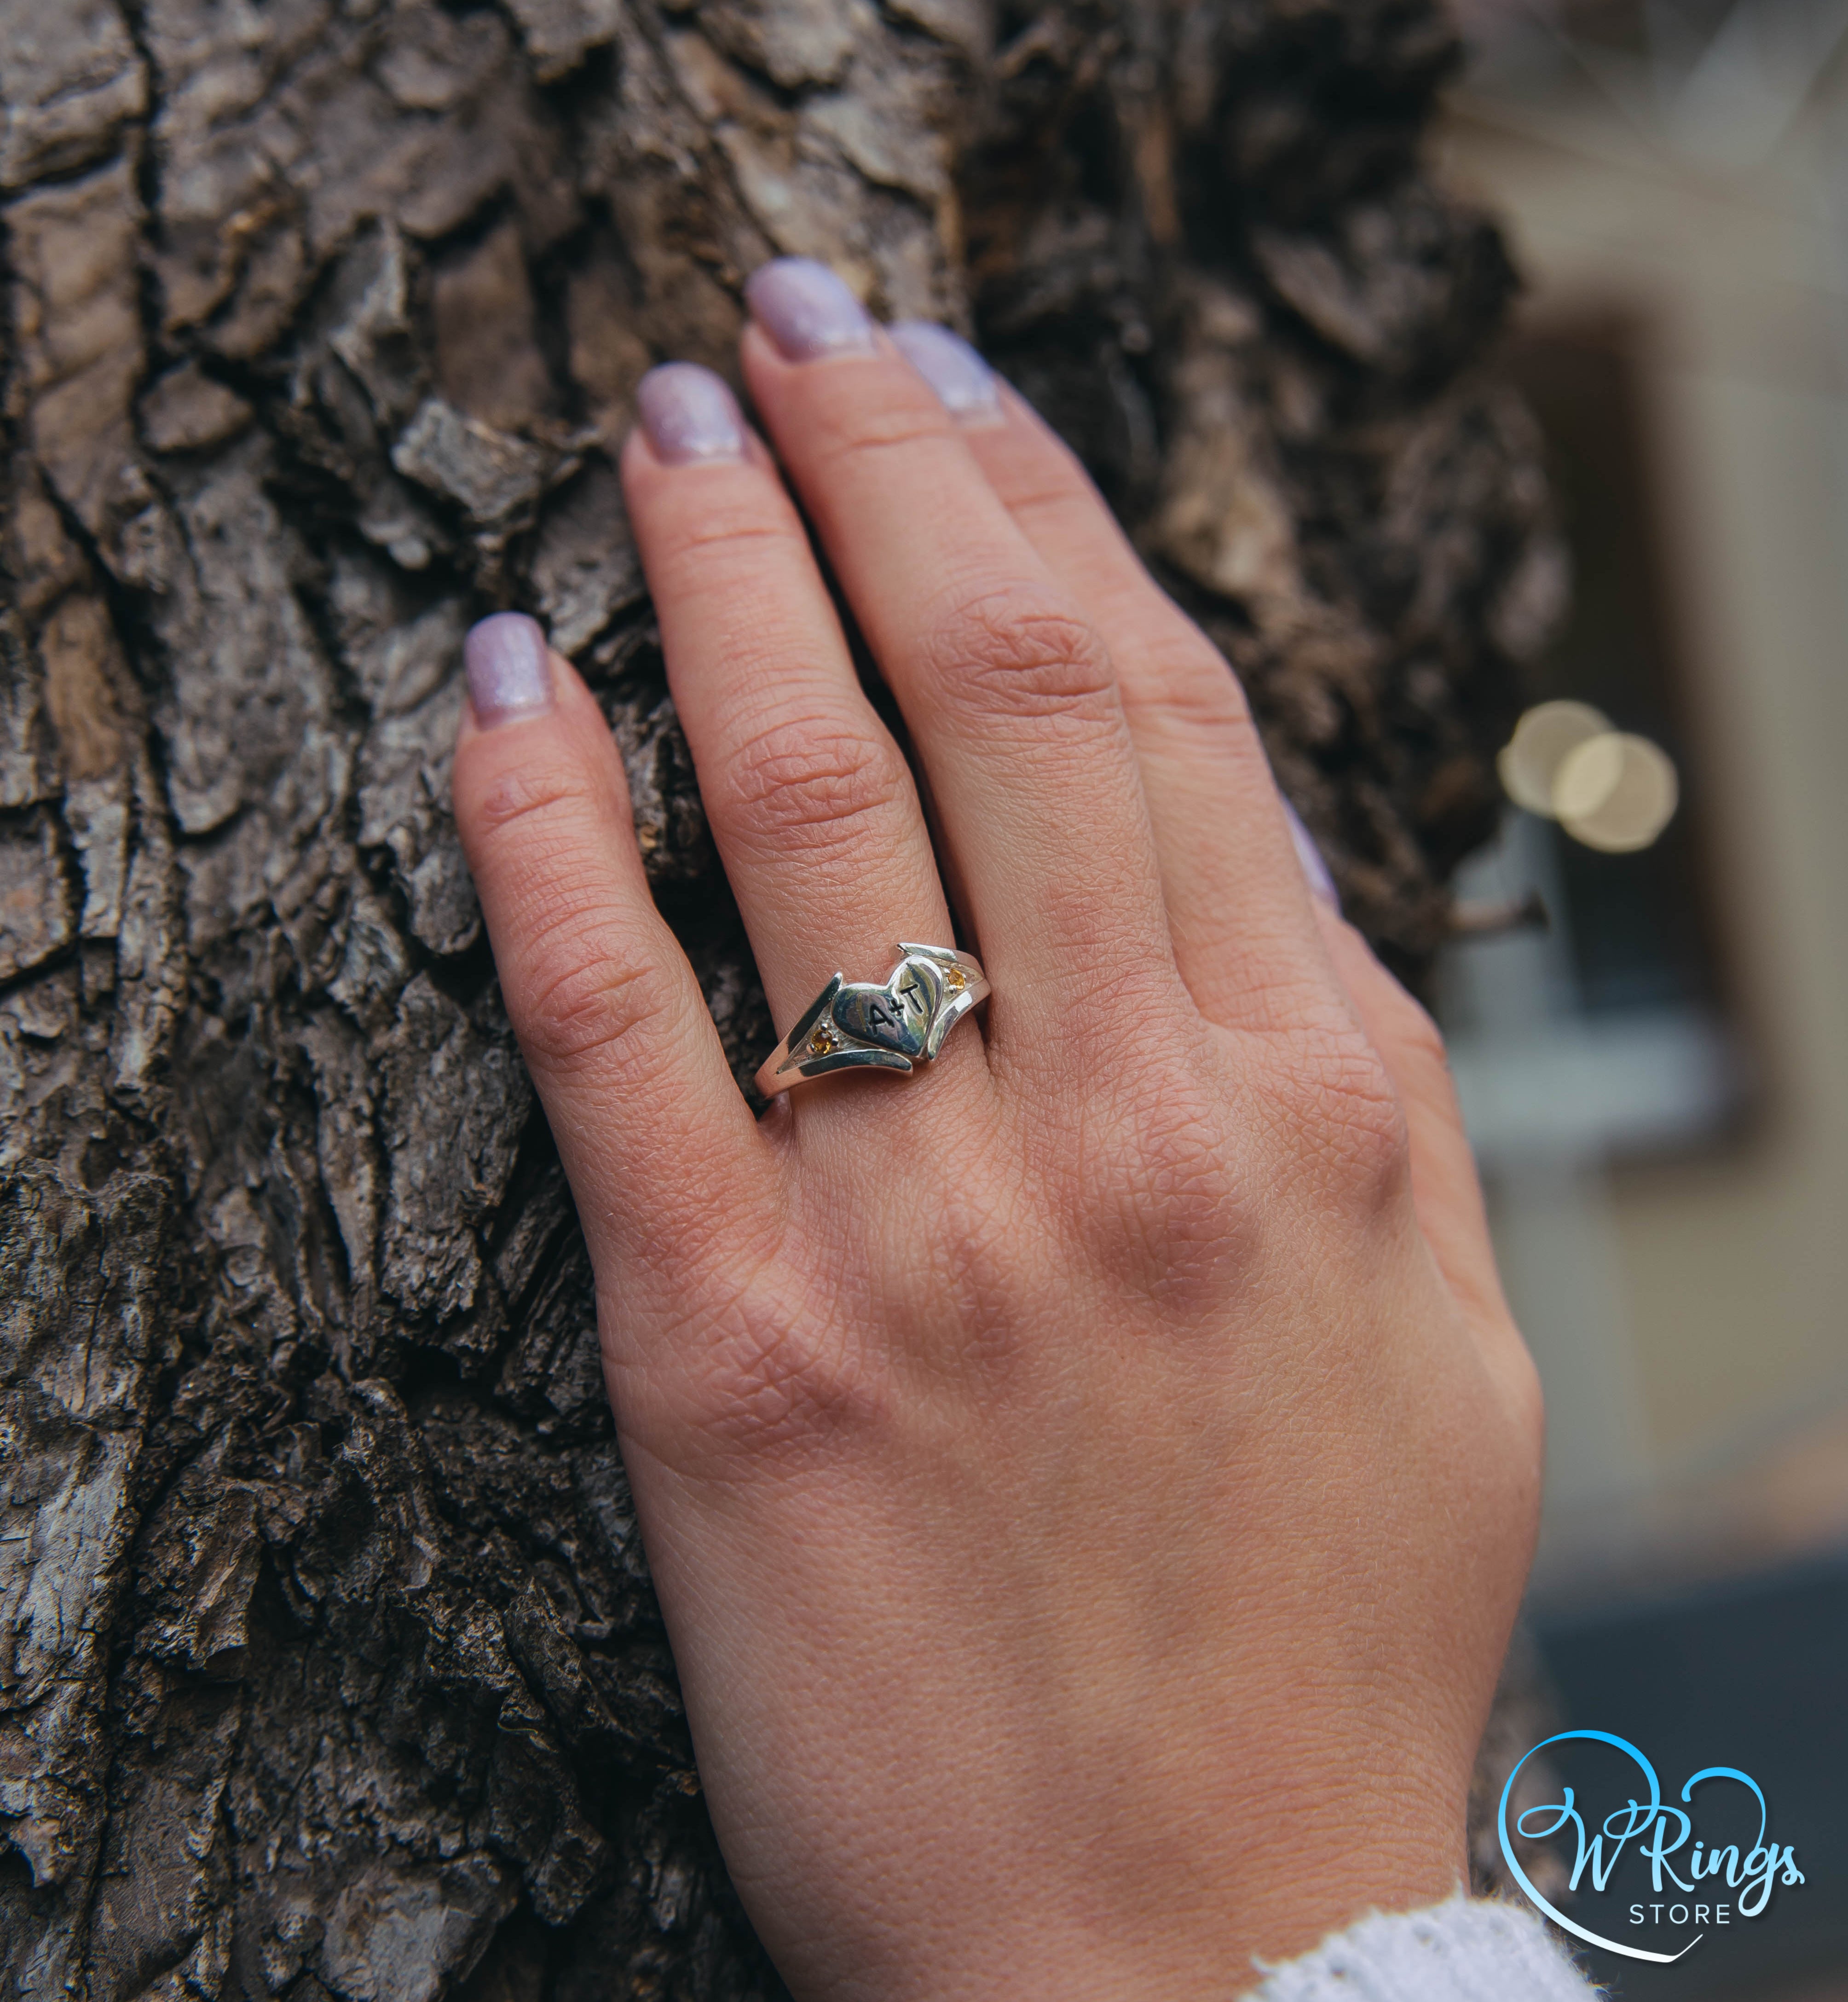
[(329, 1660)]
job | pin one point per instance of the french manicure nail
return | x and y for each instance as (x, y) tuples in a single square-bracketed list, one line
[(689, 415), (1320, 883), (509, 675), (806, 311), (965, 382)]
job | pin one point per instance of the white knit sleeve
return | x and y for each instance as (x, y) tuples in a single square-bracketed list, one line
[(1469, 1950)]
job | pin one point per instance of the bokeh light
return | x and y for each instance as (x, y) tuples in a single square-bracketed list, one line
[(1543, 739), (1616, 792), (1609, 789)]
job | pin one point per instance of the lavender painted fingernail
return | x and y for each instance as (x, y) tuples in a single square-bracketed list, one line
[(509, 675), (965, 382), (806, 311), (689, 415), (1320, 883)]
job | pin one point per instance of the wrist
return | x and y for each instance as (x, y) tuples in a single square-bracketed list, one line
[(1164, 1921)]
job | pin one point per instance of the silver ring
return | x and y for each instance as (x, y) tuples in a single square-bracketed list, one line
[(852, 1025)]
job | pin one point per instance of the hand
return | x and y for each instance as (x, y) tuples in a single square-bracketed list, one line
[(1089, 1481)]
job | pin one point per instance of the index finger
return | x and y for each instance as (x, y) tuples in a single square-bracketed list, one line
[(1237, 910)]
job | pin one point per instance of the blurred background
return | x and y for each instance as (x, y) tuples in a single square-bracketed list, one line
[(1657, 1084)]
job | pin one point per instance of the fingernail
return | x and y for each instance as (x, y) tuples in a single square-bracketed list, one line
[(807, 310), (509, 675), (965, 382), (1320, 883), (689, 415)]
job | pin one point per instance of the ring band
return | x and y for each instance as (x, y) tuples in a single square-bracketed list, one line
[(851, 1025)]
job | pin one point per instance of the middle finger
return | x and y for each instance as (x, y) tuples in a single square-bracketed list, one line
[(1008, 693)]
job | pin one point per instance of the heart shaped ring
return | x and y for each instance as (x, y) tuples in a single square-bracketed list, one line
[(897, 1025)]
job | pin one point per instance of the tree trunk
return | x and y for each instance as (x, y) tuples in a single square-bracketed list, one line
[(329, 1661)]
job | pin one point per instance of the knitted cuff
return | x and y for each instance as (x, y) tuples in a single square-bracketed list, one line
[(1467, 1950)]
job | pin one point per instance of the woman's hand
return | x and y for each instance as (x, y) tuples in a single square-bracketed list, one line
[(1089, 1481)]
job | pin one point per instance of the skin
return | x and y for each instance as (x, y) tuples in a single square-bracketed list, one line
[(1090, 1482)]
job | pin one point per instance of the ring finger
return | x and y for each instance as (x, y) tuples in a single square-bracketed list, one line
[(811, 801)]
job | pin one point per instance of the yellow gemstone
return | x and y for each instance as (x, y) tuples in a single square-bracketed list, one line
[(823, 1040), (954, 977)]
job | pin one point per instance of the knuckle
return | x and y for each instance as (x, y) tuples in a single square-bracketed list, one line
[(1160, 1199), (1051, 491), (1186, 694), (1338, 1106), (1185, 1169), (728, 534), (1423, 1040), (770, 1377), (869, 427), (812, 786), (1414, 1035), (548, 801), (1021, 653), (574, 1002)]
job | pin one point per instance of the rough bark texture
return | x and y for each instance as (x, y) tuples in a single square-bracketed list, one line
[(329, 1662)]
